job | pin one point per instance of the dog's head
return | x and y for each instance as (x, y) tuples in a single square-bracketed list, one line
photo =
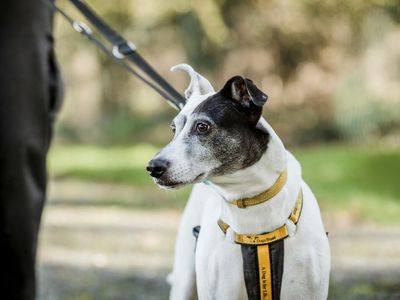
[(214, 133)]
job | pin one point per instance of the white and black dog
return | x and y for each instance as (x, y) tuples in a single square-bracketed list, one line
[(226, 148)]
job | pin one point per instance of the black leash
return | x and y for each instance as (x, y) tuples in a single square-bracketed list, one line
[(121, 49)]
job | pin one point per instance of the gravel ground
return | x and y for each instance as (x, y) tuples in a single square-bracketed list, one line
[(93, 252)]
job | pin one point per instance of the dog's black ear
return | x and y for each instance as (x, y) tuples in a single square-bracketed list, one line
[(246, 96)]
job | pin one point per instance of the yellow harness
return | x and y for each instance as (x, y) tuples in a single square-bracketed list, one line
[(263, 242)]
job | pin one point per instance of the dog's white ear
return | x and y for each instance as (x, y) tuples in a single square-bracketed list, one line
[(199, 85)]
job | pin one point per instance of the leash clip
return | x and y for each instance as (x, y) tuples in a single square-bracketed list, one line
[(128, 48), (81, 27)]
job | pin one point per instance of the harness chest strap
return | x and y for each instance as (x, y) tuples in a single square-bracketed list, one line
[(263, 257), (269, 237)]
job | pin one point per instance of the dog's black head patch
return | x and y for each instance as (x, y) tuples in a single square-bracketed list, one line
[(234, 138)]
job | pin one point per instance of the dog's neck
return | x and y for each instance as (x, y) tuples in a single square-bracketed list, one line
[(258, 177), (255, 179)]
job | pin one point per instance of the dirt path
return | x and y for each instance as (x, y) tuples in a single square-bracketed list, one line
[(93, 252)]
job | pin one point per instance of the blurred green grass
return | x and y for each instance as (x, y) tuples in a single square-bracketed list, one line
[(363, 181), (358, 180), (116, 164)]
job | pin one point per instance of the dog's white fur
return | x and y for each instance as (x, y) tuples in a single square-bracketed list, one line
[(213, 269)]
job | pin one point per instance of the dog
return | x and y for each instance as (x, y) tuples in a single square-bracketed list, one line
[(224, 146)]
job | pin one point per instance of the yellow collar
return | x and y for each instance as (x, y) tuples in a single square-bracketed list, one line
[(269, 237), (264, 196)]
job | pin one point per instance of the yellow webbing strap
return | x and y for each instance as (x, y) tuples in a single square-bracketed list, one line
[(262, 239), (264, 196), (269, 237), (257, 239), (295, 215), (264, 269), (224, 227)]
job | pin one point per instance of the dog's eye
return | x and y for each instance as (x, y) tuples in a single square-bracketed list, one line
[(173, 127), (202, 127)]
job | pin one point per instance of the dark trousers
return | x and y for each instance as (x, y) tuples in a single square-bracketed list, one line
[(29, 99)]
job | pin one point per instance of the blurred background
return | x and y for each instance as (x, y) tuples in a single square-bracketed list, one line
[(332, 72)]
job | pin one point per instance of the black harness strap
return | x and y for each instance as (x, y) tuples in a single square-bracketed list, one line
[(276, 253), (196, 233), (251, 269)]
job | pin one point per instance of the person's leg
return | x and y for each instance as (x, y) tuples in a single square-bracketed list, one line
[(28, 97)]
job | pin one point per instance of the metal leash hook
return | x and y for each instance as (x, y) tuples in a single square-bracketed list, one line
[(81, 27), (129, 48)]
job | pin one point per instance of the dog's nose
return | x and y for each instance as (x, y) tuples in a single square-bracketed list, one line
[(157, 167)]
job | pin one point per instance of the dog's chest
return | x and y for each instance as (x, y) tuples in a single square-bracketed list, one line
[(219, 264)]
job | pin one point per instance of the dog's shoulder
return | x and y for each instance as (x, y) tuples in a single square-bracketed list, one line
[(292, 161)]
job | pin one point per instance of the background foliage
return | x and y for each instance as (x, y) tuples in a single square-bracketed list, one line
[(331, 68)]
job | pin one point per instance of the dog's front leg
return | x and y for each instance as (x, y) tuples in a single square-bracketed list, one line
[(183, 279)]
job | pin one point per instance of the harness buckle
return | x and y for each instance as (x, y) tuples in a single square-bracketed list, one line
[(120, 50), (241, 203)]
